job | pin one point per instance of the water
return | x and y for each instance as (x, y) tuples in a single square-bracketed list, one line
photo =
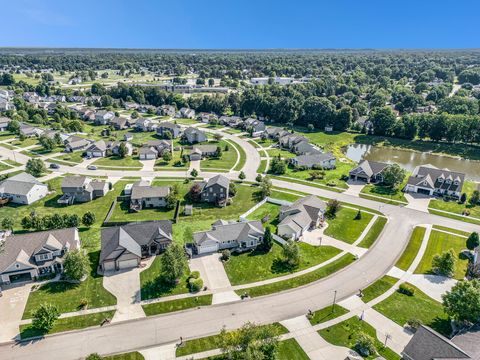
[(410, 159)]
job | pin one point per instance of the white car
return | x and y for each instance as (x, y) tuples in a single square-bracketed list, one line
[(91, 167)]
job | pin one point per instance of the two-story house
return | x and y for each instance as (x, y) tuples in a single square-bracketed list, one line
[(169, 130), (103, 117), (193, 135), (215, 190), (430, 180), (82, 189)]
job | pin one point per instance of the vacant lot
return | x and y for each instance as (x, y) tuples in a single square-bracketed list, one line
[(344, 226)]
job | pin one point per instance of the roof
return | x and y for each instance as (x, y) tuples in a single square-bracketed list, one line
[(205, 148), (427, 344), (74, 181), (147, 150), (437, 178), (370, 168), (234, 231), (99, 145), (20, 184), (23, 246), (98, 184), (221, 180), (469, 341), (168, 125), (140, 192), (302, 212), (313, 159)]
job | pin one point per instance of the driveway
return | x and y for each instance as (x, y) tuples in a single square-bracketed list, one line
[(12, 305), (148, 165), (354, 187), (417, 201), (432, 285)]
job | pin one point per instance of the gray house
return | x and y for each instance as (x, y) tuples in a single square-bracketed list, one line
[(119, 123), (81, 189), (169, 130), (368, 171), (215, 190), (166, 110), (430, 180), (319, 161), (26, 257), (76, 143), (200, 151), (23, 189), (124, 246), (4, 121), (193, 135), (238, 236), (146, 196), (103, 117), (154, 149)]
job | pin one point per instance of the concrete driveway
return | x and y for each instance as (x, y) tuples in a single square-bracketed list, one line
[(432, 285), (12, 305), (417, 201), (354, 187)]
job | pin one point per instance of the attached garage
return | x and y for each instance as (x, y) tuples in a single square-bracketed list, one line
[(127, 264), (207, 247), (424, 191), (21, 277)]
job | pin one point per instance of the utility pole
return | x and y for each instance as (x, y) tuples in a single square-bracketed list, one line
[(334, 300)]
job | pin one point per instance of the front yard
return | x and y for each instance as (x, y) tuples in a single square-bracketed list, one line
[(225, 162), (377, 288), (343, 227), (388, 193), (119, 162), (411, 251)]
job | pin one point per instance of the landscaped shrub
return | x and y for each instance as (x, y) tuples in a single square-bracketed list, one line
[(365, 345), (195, 284), (84, 303), (194, 274), (406, 290), (414, 323), (225, 255)]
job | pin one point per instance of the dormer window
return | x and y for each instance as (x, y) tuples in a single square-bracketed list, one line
[(455, 182), (440, 179), (448, 181)]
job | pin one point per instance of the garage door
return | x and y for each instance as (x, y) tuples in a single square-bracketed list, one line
[(127, 264), (109, 265), (20, 277), (423, 191), (204, 249)]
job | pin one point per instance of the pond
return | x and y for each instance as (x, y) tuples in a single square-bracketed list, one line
[(410, 159)]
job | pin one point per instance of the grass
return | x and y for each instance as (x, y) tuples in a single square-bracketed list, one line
[(263, 167), (344, 227), (225, 162), (119, 162), (374, 233), (457, 208), (4, 166), (267, 210), (11, 162), (254, 144), (297, 281), (326, 314), (290, 349), (75, 157), (455, 231), (455, 217), (346, 332), (400, 308), (386, 192), (284, 154), (412, 248), (243, 157), (212, 342), (176, 305), (67, 324), (438, 243), (185, 121), (256, 266), (307, 183), (378, 288), (281, 195), (332, 176), (160, 164), (135, 355), (27, 142)]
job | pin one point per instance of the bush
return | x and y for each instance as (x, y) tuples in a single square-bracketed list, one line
[(194, 275), (93, 356), (414, 323), (45, 316), (84, 303), (406, 290), (365, 345), (225, 255), (195, 284)]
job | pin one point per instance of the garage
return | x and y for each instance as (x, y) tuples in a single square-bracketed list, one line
[(206, 248), (127, 264), (109, 265), (423, 191), (16, 278)]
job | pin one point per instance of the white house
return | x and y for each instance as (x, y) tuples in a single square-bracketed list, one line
[(23, 189)]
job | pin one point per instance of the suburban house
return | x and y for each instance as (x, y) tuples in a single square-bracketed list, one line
[(200, 151), (147, 196), (304, 214), (119, 123), (169, 130), (215, 190), (103, 117), (30, 131), (154, 149), (288, 141), (87, 114), (316, 161), (6, 105), (130, 106), (23, 188), (4, 121), (205, 117), (185, 113), (427, 344), (238, 236), (232, 121), (255, 126), (275, 132), (147, 108), (26, 257), (82, 189), (101, 148), (167, 110), (147, 153), (193, 135), (76, 143), (430, 180), (122, 247), (304, 147), (368, 171)]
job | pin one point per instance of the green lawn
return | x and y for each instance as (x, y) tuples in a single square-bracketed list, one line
[(184, 121), (75, 157), (438, 243), (243, 157), (11, 162), (297, 281), (225, 162), (467, 219), (4, 166), (263, 167), (412, 248), (27, 142), (401, 308), (177, 305), (67, 324), (386, 192), (254, 144), (160, 164), (346, 332), (378, 288), (454, 231), (290, 349), (327, 313), (344, 227), (127, 356), (332, 177), (267, 210), (284, 154), (308, 183), (117, 161), (281, 195), (256, 266), (374, 233), (455, 207)]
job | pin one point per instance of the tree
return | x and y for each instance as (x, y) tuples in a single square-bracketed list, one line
[(383, 120), (250, 342), (474, 198), (211, 82), (463, 198), (232, 189), (14, 127), (218, 152), (365, 344), (134, 115), (291, 254), (122, 150), (194, 173), (472, 242), (333, 206), (88, 219), (171, 200), (44, 317), (35, 167), (265, 187), (267, 242), (359, 215), (242, 175), (76, 265), (393, 175), (462, 302), (47, 143), (167, 156), (174, 263), (8, 223), (278, 166), (444, 264), (258, 178), (195, 192)]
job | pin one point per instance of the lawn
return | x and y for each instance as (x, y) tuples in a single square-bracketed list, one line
[(267, 210), (374, 233), (243, 157), (11, 162), (332, 177), (297, 281), (263, 167), (454, 231), (177, 305), (126, 356), (225, 162), (343, 227), (256, 266), (75, 157), (378, 288), (119, 162), (346, 332), (386, 192), (326, 314), (160, 164), (438, 243), (254, 144), (290, 349), (315, 183), (412, 248), (29, 141), (281, 195), (400, 308), (4, 166), (284, 154), (67, 324), (184, 121)]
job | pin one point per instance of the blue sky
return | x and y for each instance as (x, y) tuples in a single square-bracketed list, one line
[(241, 23)]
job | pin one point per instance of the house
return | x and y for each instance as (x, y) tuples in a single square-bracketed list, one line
[(76, 99), (103, 117), (87, 114), (130, 106), (232, 121), (288, 141), (97, 149), (76, 143), (119, 123), (186, 113), (147, 108), (205, 117), (29, 256), (31, 97), (167, 110), (143, 124), (304, 214), (304, 147), (427, 344), (6, 105), (275, 132), (4, 121), (81, 189), (368, 171), (75, 81), (169, 130), (315, 161), (201, 151), (147, 153), (238, 236), (254, 126), (193, 135), (23, 189), (6, 94), (30, 131), (430, 180), (146, 196), (122, 247), (154, 149), (215, 190), (128, 137)]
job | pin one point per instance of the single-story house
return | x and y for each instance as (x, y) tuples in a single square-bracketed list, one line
[(147, 153), (368, 171), (122, 247), (23, 188), (26, 257), (430, 180), (30, 131), (147, 196), (6, 105), (169, 130), (200, 151), (82, 189), (193, 135), (319, 161), (304, 147), (76, 143), (255, 126), (238, 236)]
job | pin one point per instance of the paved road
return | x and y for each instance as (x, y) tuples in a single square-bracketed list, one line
[(127, 336)]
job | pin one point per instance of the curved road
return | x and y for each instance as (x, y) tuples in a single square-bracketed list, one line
[(153, 331)]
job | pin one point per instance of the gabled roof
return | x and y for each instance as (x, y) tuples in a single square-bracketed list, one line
[(369, 168), (20, 184), (302, 212), (313, 159), (75, 181), (231, 231), (141, 192), (219, 179)]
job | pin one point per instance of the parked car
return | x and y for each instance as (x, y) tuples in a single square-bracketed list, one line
[(54, 166), (91, 167)]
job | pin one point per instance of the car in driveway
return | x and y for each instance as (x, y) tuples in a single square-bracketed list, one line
[(54, 166), (91, 167)]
